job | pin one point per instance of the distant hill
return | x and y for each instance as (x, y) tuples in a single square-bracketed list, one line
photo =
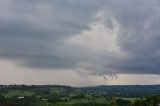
[(126, 90), (110, 90)]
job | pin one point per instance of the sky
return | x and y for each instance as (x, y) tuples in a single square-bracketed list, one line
[(80, 42)]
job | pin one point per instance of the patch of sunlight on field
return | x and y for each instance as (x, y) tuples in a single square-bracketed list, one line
[(130, 99)]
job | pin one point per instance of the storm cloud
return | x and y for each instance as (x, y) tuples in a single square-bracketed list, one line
[(95, 36)]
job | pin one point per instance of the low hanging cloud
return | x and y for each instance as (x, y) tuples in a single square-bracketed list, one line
[(95, 36)]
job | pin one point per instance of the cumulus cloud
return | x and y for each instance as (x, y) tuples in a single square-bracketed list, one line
[(98, 36)]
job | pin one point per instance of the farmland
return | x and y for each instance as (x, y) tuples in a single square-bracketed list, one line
[(56, 95)]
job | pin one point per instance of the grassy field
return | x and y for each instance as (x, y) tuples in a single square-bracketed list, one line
[(13, 93), (75, 101), (130, 99), (68, 101), (56, 90), (67, 96)]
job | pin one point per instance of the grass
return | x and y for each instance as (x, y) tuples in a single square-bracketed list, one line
[(130, 99), (74, 101), (13, 93), (101, 100), (56, 90)]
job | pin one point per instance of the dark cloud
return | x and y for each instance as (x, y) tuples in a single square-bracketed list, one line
[(140, 37), (60, 34)]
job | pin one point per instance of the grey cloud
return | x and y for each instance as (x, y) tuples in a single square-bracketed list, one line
[(33, 30), (36, 31), (140, 37)]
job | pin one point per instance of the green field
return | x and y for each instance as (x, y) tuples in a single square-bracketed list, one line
[(54, 95), (13, 93), (130, 99)]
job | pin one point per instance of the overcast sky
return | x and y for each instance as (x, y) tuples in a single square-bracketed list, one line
[(79, 42)]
